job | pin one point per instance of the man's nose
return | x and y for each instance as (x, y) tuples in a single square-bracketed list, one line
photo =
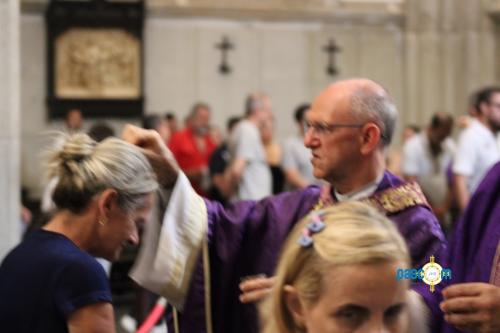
[(309, 139)]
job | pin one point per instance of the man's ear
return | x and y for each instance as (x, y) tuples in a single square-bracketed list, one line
[(294, 305), (107, 200), (371, 138)]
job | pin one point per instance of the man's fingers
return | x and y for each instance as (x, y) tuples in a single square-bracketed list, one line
[(255, 289), (148, 139), (463, 289), (460, 305), (256, 284), (159, 156), (131, 134), (464, 320), (255, 295)]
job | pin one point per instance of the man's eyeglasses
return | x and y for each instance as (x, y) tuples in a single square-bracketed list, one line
[(323, 128)]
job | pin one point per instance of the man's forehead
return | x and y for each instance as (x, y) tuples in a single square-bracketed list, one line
[(329, 105)]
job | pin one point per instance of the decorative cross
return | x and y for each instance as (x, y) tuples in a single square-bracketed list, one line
[(224, 46), (331, 49)]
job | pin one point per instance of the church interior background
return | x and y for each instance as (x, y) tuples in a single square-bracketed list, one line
[(430, 55)]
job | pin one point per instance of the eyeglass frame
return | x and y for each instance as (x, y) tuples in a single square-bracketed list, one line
[(322, 128)]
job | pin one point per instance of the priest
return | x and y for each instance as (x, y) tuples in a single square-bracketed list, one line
[(472, 302), (202, 251)]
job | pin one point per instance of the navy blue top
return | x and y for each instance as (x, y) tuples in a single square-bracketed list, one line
[(45, 279)]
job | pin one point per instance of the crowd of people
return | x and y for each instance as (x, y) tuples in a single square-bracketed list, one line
[(247, 235), (448, 170)]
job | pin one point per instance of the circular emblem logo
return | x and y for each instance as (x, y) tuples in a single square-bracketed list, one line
[(432, 273)]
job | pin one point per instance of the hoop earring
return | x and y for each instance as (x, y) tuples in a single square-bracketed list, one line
[(103, 221)]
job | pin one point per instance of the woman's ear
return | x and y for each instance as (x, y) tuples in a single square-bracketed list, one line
[(107, 200), (371, 138), (294, 305)]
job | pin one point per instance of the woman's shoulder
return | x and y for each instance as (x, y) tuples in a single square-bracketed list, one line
[(54, 251)]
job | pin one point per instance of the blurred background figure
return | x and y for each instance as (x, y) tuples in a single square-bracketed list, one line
[(249, 170), (472, 105), (100, 131), (477, 148), (73, 121), (171, 120), (274, 153), (221, 187), (296, 157), (463, 121), (26, 218), (410, 131), (193, 146), (159, 124), (426, 159), (216, 135), (394, 155)]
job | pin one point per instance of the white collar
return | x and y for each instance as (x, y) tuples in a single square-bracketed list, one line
[(485, 130), (362, 193)]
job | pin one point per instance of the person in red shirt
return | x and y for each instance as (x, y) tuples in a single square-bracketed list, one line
[(193, 146)]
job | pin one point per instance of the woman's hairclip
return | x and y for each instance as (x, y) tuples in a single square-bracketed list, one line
[(316, 225)]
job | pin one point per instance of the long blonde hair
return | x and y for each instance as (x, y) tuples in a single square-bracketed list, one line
[(84, 167), (354, 233)]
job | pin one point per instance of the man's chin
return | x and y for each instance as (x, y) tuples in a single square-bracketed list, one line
[(318, 174)]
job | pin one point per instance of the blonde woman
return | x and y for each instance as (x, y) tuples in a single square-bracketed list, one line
[(51, 282), (337, 274)]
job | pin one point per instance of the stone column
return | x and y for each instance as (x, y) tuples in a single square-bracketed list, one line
[(9, 125), (450, 53)]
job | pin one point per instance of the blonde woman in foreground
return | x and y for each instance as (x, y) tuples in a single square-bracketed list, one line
[(337, 274)]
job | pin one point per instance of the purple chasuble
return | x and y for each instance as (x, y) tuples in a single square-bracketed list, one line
[(474, 254), (246, 238)]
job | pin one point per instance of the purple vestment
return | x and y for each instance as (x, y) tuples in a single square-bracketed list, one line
[(474, 254), (246, 238)]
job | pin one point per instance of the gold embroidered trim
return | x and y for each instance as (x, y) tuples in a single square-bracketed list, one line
[(392, 200), (396, 199), (207, 284)]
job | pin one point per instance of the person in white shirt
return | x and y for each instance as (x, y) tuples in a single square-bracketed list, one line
[(248, 170), (426, 157), (477, 149), (297, 157)]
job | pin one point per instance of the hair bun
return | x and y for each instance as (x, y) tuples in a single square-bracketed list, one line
[(76, 147)]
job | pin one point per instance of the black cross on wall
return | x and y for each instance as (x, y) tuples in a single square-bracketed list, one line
[(224, 46), (331, 48)]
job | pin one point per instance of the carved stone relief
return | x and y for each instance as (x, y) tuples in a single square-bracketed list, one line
[(97, 63)]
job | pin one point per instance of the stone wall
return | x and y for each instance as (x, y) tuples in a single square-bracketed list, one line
[(9, 125), (430, 54), (450, 53), (284, 58)]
